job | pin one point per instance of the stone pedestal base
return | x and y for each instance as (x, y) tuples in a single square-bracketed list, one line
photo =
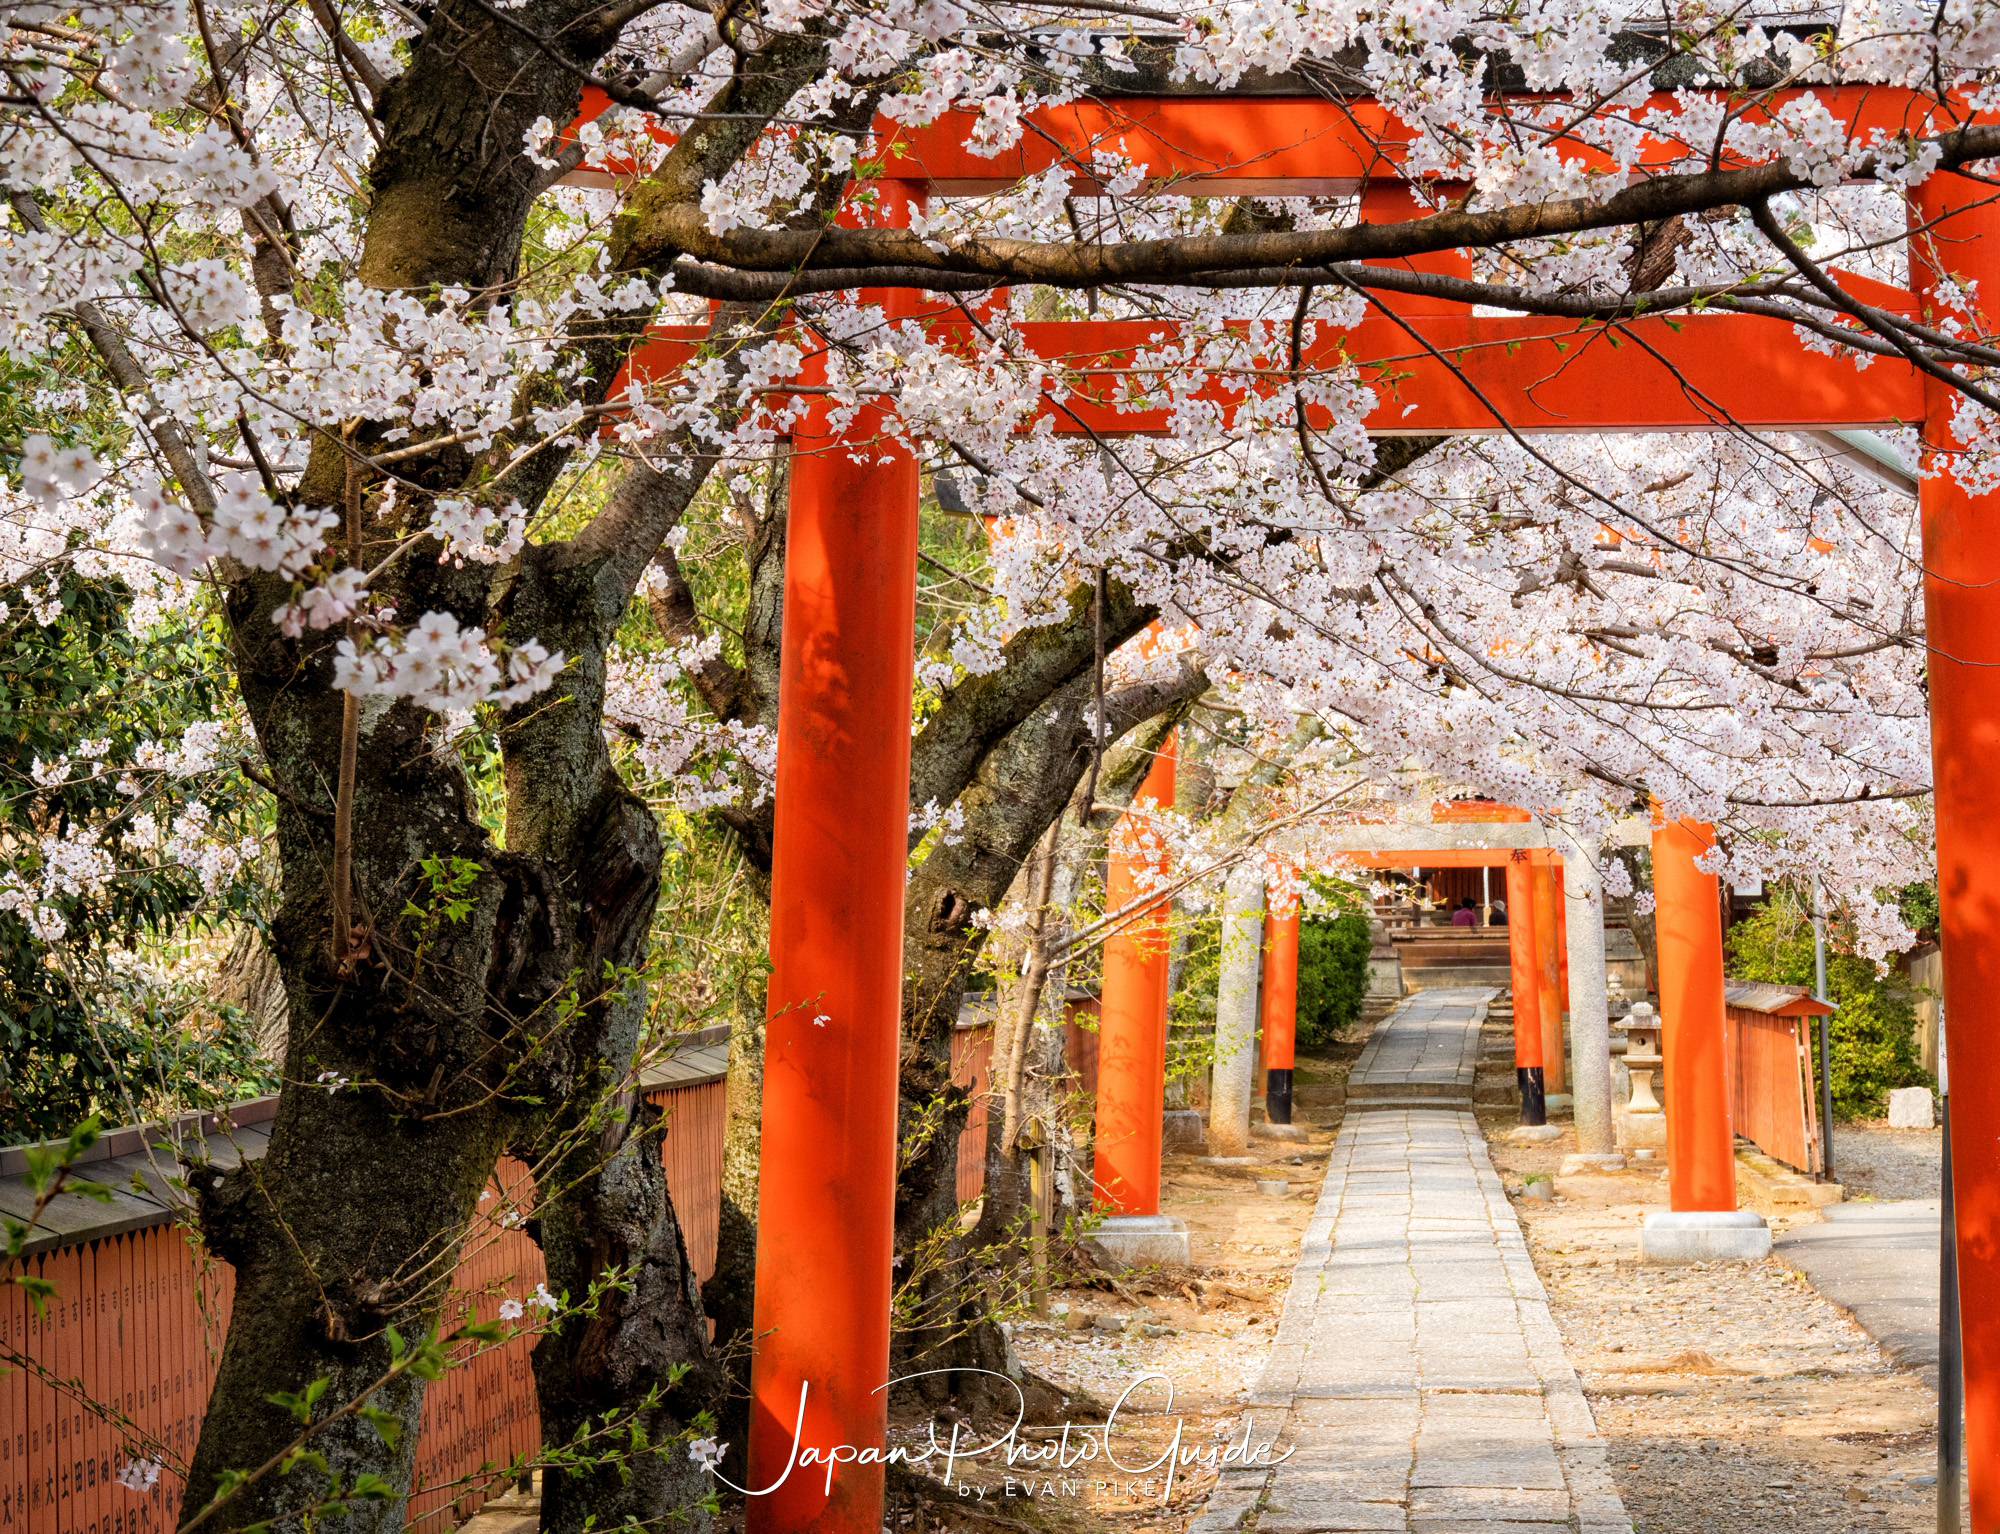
[(1640, 1131), (1719, 1235), (1279, 1131), (1559, 1102), (1148, 1240), (1912, 1108), (1180, 1130)]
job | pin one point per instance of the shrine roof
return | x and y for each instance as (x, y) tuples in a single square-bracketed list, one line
[(1772, 999)]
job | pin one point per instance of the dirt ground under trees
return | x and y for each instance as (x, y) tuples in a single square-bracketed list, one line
[(1734, 1398)]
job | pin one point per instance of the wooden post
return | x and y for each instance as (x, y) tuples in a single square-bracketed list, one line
[(827, 1164), (1132, 1023), (1701, 1154), (1279, 1009), (1548, 981), (1962, 630), (1523, 969)]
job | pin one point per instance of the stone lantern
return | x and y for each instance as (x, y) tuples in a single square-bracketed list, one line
[(1641, 1123)]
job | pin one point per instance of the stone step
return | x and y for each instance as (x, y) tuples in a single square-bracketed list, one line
[(1442, 977), (1372, 1091)]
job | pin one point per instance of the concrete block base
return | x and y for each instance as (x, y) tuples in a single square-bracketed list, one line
[(1912, 1108), (1559, 1102), (1719, 1235), (1593, 1161), (1640, 1131), (1146, 1240), (1180, 1130)]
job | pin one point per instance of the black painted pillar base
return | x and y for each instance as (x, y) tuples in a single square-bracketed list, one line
[(1534, 1109), (1278, 1097)]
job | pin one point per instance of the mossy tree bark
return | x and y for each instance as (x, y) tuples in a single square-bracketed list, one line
[(446, 1040)]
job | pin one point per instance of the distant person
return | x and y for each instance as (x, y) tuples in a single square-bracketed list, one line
[(1498, 916), (1467, 914)]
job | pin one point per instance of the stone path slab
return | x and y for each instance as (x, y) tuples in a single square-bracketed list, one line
[(1426, 1050), (1416, 1376), (1879, 1261)]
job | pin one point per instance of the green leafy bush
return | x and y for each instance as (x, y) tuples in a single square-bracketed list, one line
[(1333, 981), (1874, 1040), (1333, 975), (80, 695)]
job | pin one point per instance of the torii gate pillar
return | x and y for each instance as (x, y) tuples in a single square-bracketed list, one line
[(1962, 625), (1132, 1046), (1548, 905), (1705, 1223), (1524, 978), (1279, 1009), (827, 1162)]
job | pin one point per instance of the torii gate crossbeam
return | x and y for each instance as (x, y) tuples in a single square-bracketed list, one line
[(841, 905)]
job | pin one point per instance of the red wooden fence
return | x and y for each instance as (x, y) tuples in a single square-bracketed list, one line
[(137, 1323), (972, 1068), (1771, 1097)]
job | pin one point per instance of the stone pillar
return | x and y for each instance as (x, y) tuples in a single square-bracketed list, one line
[(1589, 1002), (1236, 1012)]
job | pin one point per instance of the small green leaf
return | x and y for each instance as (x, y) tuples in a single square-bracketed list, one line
[(299, 1457), (385, 1423)]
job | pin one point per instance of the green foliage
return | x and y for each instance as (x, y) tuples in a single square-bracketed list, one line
[(1333, 981), (1874, 1041), (1917, 904), (1191, 1006), (82, 1028), (1333, 975)]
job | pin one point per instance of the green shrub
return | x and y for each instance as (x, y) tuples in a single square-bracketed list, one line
[(1333, 975), (1191, 1006), (1874, 1039), (1333, 981)]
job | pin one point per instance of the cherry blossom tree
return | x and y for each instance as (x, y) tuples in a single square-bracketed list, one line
[(368, 301)]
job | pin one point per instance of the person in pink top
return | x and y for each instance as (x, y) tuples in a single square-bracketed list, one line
[(1467, 915)]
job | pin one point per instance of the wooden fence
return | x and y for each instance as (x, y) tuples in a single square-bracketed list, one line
[(972, 1068), (136, 1326), (1771, 1098)]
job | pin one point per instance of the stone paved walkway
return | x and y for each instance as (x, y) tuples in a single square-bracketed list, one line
[(1416, 1373)]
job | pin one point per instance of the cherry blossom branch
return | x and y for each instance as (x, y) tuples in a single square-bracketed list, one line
[(667, 229)]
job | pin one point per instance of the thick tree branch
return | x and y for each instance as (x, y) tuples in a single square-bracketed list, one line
[(352, 52), (981, 710), (662, 227)]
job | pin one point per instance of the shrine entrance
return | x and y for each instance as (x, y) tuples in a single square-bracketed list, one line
[(828, 1156)]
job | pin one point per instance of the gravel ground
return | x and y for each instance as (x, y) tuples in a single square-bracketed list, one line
[(1734, 1398), (1874, 1161), (1213, 1325)]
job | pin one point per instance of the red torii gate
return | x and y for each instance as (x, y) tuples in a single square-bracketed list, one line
[(827, 1169)]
